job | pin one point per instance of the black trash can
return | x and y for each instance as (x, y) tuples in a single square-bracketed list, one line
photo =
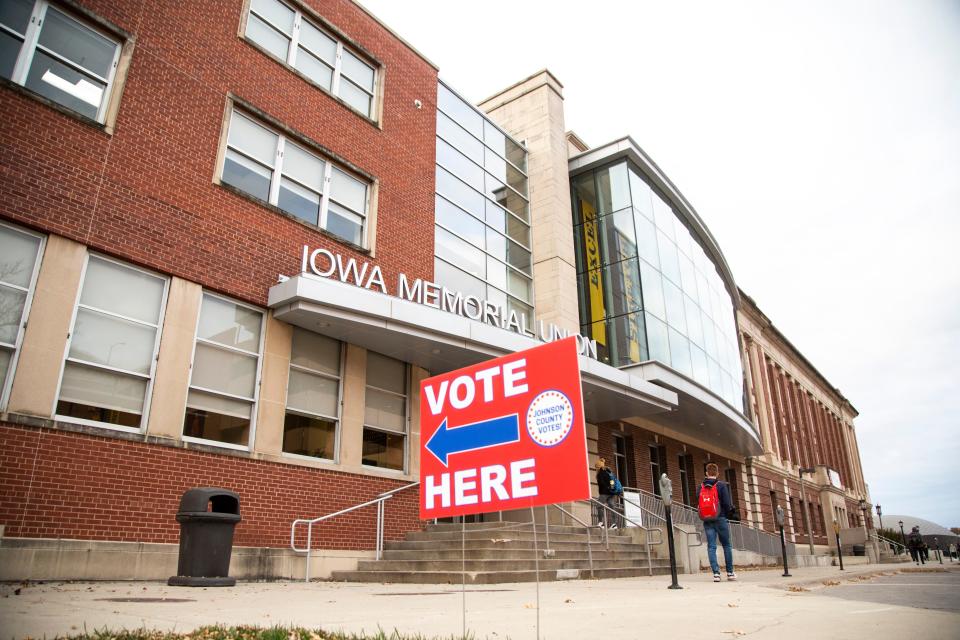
[(207, 517), (859, 550)]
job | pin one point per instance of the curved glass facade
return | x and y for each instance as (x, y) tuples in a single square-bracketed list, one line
[(647, 289), (482, 243)]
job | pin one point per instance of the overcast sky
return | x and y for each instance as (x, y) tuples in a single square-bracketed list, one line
[(819, 141)]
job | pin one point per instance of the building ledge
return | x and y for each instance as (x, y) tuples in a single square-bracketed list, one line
[(440, 341)]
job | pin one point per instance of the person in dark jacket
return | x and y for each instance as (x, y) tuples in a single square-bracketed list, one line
[(718, 527), (609, 495), (915, 544)]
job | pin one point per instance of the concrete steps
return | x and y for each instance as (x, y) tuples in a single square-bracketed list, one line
[(490, 553)]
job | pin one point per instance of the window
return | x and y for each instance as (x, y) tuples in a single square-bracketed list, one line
[(688, 483), (112, 349), (274, 169), (730, 476), (19, 264), (313, 396), (482, 237), (55, 55), (620, 462), (658, 465), (225, 373), (385, 415), (288, 35)]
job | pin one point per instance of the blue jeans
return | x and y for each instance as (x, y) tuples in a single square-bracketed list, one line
[(713, 528)]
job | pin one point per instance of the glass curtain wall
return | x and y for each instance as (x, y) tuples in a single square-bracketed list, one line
[(482, 243), (647, 289)]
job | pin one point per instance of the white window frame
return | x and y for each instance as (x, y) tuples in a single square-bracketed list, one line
[(31, 43), (336, 71), (150, 378), (406, 418), (277, 175), (255, 404), (25, 314), (300, 412)]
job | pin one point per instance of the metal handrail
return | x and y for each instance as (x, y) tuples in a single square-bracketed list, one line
[(766, 542), (676, 521), (399, 489), (381, 512), (884, 540), (639, 525), (587, 527)]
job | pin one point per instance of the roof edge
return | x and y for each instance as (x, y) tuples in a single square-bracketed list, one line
[(767, 323), (400, 38), (628, 147)]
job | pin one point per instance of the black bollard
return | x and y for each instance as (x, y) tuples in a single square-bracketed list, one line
[(839, 552), (666, 494), (673, 552), (783, 549), (783, 542)]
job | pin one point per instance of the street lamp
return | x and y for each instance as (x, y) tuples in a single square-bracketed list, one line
[(806, 507), (864, 510), (903, 536), (880, 515)]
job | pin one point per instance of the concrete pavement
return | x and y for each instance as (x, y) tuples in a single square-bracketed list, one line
[(761, 604)]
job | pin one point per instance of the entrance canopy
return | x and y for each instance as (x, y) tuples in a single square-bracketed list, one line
[(440, 341)]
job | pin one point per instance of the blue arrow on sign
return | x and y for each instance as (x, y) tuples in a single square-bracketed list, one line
[(447, 441)]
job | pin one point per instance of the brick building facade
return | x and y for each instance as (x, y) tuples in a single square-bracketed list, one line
[(170, 185)]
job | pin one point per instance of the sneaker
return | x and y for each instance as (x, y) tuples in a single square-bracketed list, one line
[(732, 577), (716, 577)]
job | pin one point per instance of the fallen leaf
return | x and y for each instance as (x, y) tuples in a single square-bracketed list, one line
[(528, 606), (732, 605), (796, 589), (736, 632), (16, 591), (569, 600), (831, 583)]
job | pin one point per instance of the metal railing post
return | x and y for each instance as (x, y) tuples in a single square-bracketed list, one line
[(309, 547), (379, 533), (546, 525)]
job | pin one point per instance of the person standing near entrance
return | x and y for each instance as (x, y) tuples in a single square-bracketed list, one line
[(713, 499), (610, 491)]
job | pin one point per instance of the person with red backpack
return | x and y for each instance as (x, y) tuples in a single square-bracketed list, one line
[(714, 505)]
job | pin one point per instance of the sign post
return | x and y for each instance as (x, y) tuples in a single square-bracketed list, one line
[(504, 434)]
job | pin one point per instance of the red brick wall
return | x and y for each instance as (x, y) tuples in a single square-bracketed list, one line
[(768, 481), (146, 193), (59, 484)]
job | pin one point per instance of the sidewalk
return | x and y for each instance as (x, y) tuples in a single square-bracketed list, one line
[(760, 604)]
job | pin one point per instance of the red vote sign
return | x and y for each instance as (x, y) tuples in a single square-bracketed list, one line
[(504, 434)]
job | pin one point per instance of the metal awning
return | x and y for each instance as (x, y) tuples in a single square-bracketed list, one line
[(440, 341)]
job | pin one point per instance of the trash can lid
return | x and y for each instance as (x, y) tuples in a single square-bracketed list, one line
[(219, 500)]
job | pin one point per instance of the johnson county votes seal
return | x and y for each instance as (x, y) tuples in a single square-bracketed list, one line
[(549, 418)]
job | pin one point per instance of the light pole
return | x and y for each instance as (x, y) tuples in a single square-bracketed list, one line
[(806, 507), (783, 542), (903, 536), (666, 494), (864, 510), (880, 515)]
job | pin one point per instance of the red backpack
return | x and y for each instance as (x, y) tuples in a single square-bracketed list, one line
[(709, 506)]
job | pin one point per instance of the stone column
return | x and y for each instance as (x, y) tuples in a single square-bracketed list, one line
[(532, 112)]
